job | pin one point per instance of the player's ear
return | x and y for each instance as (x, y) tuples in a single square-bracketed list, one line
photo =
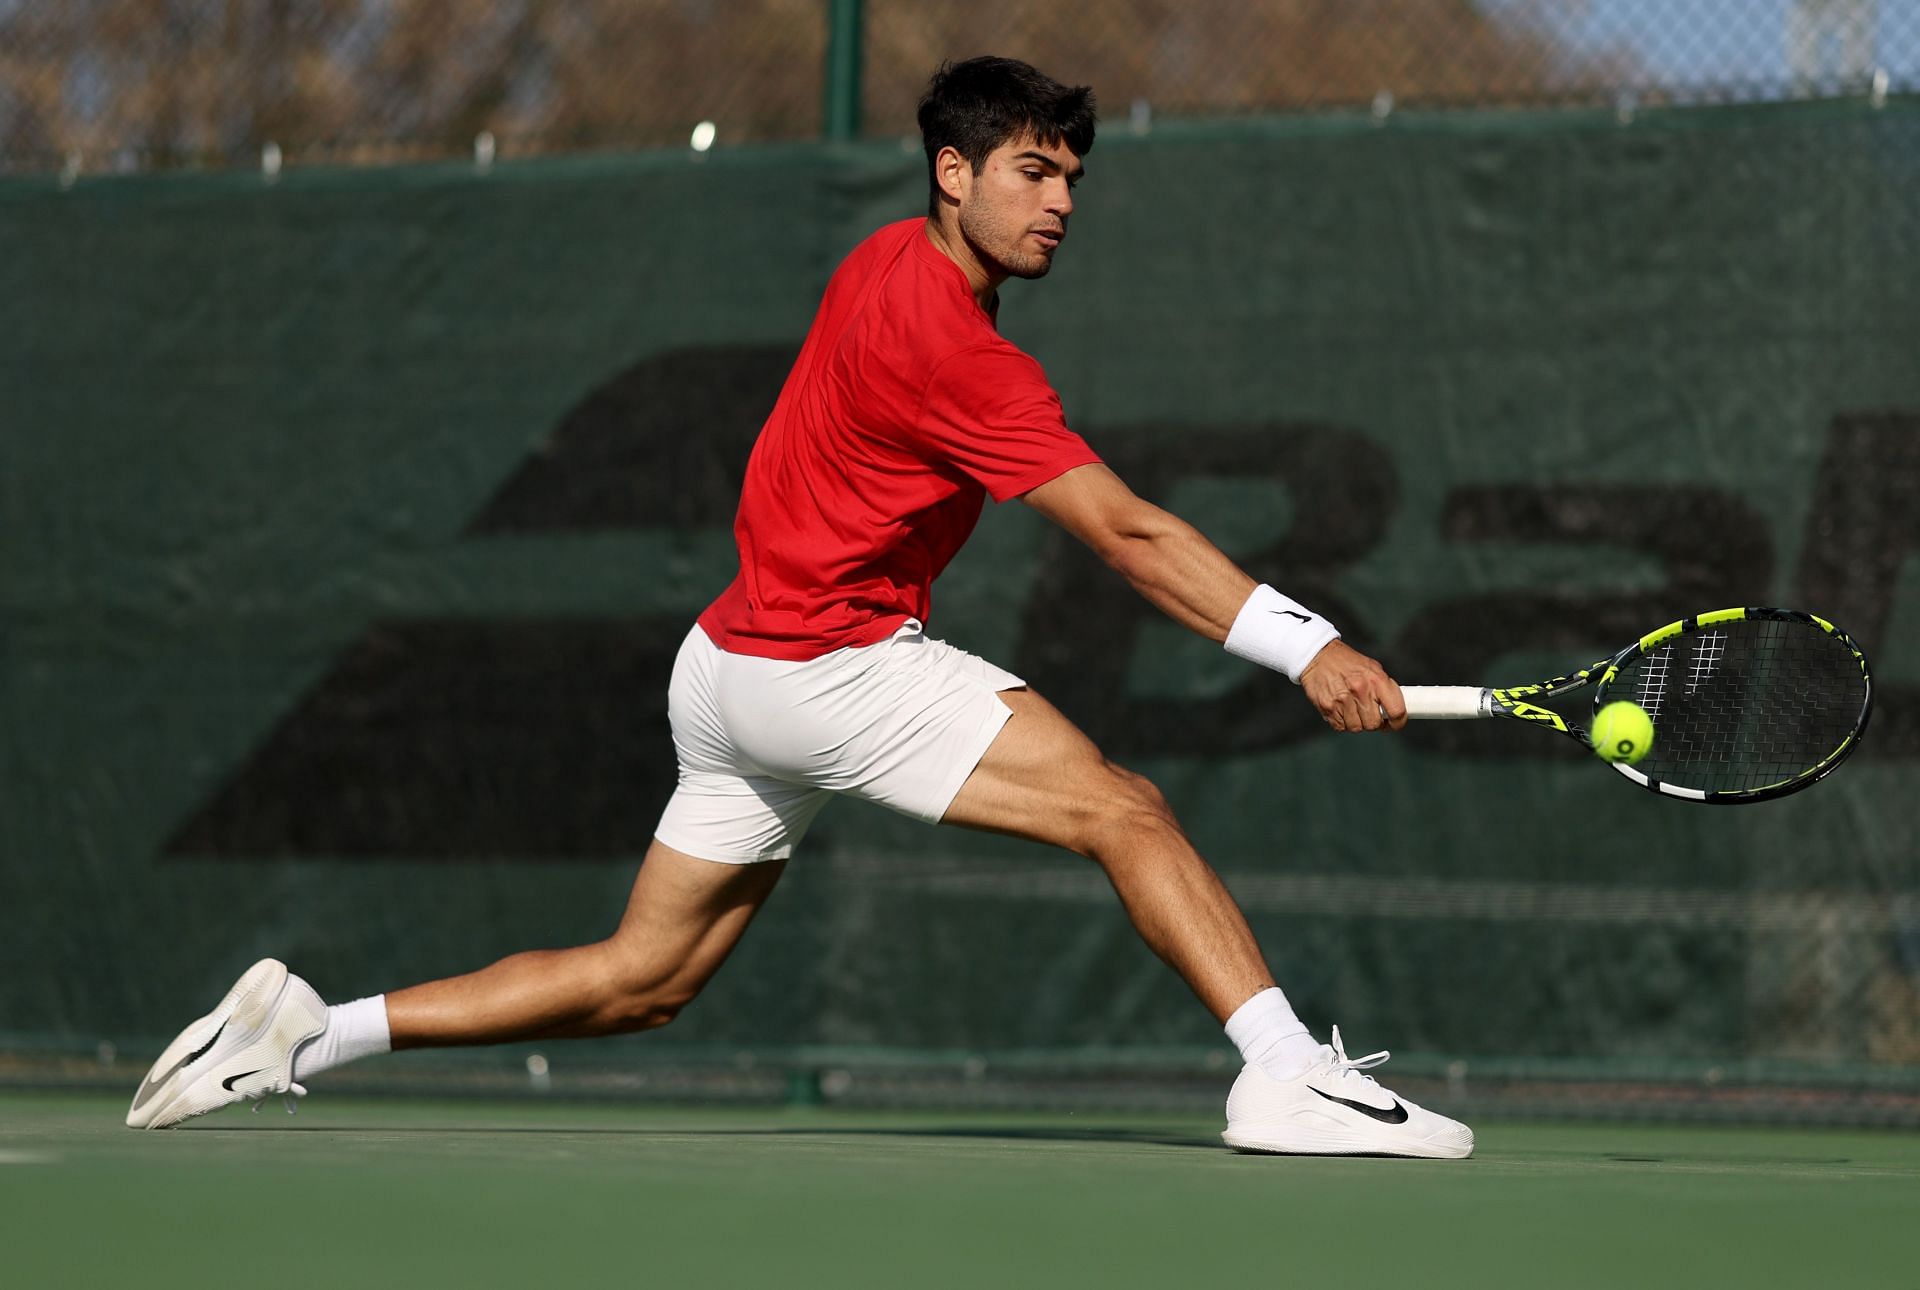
[(952, 173)]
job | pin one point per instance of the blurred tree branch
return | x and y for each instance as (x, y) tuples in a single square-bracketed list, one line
[(140, 83)]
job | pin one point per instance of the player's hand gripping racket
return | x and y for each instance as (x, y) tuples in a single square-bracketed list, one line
[(1747, 704)]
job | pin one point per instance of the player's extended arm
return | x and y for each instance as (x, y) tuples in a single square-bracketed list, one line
[(1193, 582)]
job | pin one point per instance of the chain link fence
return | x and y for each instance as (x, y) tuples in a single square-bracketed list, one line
[(1221, 57), (136, 84)]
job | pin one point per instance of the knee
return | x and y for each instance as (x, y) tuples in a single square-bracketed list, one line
[(1127, 810), (635, 1002), (633, 1011)]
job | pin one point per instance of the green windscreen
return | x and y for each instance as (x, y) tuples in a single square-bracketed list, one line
[(349, 524)]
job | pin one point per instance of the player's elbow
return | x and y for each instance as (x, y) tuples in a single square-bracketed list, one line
[(1138, 547), (1130, 557), (1128, 535)]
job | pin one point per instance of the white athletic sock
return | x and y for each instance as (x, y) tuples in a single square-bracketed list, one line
[(1269, 1036), (354, 1030)]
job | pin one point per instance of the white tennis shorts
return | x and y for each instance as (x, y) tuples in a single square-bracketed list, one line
[(763, 743)]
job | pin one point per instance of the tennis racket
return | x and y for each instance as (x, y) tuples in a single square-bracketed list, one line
[(1747, 704)]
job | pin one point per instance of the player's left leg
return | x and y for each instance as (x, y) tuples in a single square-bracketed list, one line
[(720, 848), (683, 918), (273, 1030)]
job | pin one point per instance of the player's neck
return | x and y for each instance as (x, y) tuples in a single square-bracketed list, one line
[(981, 280)]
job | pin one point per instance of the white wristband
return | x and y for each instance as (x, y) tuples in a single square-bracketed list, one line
[(1278, 632)]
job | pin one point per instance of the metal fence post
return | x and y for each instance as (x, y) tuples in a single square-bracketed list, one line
[(844, 38)]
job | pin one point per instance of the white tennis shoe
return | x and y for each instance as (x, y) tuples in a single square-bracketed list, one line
[(1334, 1109), (242, 1050)]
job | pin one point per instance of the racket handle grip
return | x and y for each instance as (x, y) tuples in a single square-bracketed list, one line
[(1445, 702)]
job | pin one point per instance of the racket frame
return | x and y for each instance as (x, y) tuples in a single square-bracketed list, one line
[(1518, 703)]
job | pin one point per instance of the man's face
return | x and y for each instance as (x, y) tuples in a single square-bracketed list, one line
[(1014, 212)]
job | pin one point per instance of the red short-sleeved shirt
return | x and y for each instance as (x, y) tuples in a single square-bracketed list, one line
[(904, 410)]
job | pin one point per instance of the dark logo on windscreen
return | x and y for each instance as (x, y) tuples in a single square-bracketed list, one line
[(509, 735), (515, 736)]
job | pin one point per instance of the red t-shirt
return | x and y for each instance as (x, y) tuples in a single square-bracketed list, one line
[(903, 411)]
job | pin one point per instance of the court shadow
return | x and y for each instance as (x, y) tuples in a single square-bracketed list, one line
[(1027, 1133)]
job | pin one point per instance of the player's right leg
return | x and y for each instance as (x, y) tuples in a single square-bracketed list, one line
[(1041, 778)]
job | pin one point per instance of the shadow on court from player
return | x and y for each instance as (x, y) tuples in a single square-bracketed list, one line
[(1091, 1136)]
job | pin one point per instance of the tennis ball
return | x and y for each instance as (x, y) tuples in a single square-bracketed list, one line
[(1622, 731)]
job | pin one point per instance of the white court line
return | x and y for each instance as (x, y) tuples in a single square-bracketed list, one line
[(27, 1157)]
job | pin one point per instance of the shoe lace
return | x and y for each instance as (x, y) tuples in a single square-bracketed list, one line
[(1352, 1067), (289, 1097)]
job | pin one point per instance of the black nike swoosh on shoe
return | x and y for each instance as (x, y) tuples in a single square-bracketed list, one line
[(201, 1051), (153, 1085), (1398, 1115), (231, 1080)]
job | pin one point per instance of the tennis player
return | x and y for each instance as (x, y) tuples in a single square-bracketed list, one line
[(813, 675)]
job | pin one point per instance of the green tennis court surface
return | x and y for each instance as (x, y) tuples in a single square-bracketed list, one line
[(356, 1192)]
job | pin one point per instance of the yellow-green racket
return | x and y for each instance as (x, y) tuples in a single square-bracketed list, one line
[(1747, 704)]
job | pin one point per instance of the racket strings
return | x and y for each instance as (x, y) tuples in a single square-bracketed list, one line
[(1652, 687), (1745, 705)]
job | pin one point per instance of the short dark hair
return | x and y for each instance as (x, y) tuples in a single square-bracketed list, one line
[(983, 103)]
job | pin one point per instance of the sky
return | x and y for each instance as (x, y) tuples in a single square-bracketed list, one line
[(1723, 41)]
